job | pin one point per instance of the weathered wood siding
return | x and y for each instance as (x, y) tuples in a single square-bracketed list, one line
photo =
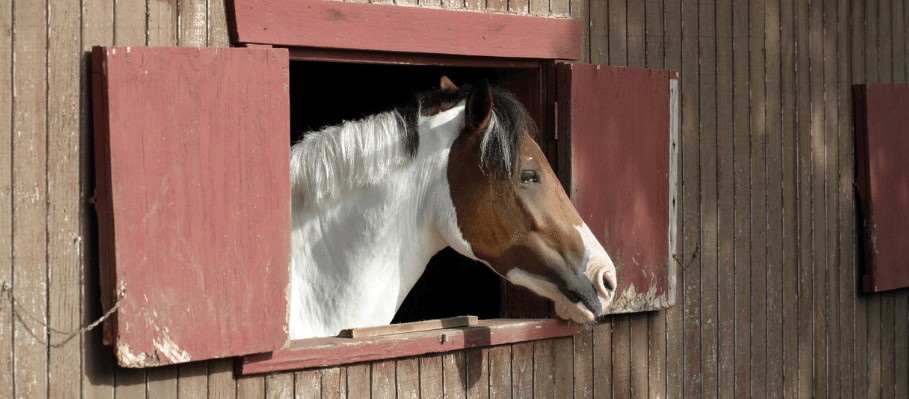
[(769, 302)]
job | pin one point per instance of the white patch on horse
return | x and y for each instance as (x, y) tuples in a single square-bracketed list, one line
[(372, 219)]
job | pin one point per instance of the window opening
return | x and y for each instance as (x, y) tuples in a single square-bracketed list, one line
[(329, 93)]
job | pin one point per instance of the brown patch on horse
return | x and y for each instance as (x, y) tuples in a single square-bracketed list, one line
[(508, 223)]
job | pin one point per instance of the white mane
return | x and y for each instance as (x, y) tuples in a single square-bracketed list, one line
[(328, 163)]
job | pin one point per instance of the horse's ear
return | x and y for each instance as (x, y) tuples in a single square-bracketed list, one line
[(447, 84), (479, 106)]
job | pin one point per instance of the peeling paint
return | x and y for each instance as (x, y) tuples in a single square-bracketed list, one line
[(126, 358), (171, 350), (633, 301)]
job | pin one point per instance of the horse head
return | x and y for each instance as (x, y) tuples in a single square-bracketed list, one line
[(514, 214)]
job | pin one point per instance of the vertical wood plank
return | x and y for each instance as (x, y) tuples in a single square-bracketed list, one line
[(690, 202), (408, 378), (602, 361), (583, 365), (500, 382), (543, 373), (129, 23), (708, 194), (29, 199), (192, 21), (383, 380), (539, 7), (193, 380), (831, 121), (454, 371), (221, 381), (846, 215), (478, 381), (790, 188), (359, 384), (6, 189), (64, 213), (217, 35), (563, 367), (621, 356), (491, 5), (161, 382), (901, 346), (758, 308), (898, 35), (617, 33), (522, 370), (248, 387), (774, 198), (636, 33), (162, 23), (308, 384), (675, 372), (431, 383), (130, 383), (805, 288), (334, 384), (725, 178), (599, 31), (277, 386), (742, 169), (819, 216)]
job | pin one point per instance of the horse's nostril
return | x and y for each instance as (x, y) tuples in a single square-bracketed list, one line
[(607, 282)]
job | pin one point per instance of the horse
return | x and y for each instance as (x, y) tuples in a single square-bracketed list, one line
[(374, 199)]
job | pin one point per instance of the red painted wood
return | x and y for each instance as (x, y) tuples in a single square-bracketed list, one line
[(321, 352), (193, 199), (882, 141), (377, 27), (615, 138)]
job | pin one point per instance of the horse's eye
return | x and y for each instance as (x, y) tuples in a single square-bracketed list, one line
[(529, 176)]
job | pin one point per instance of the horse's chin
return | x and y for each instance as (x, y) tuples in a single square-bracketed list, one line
[(576, 312)]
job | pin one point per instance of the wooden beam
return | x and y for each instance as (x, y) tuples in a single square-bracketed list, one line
[(426, 325), (379, 27)]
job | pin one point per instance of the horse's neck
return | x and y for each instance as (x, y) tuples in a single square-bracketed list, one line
[(356, 258)]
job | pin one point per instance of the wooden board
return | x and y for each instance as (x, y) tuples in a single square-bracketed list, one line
[(192, 196), (882, 142), (614, 131), (426, 325), (321, 352), (381, 27)]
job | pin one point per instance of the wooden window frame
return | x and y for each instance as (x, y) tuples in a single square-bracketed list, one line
[(315, 30)]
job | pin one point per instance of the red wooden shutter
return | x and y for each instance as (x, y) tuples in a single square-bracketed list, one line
[(193, 199), (615, 127), (882, 155)]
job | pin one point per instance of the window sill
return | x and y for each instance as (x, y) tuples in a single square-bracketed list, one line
[(333, 351)]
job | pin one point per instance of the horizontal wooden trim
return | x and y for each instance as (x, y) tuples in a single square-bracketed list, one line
[(400, 58), (416, 326), (379, 27), (322, 352)]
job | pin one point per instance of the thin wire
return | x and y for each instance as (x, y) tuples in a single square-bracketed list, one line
[(7, 291)]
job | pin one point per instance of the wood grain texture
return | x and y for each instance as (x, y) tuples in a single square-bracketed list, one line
[(321, 352), (543, 370), (161, 313), (192, 20), (29, 199), (64, 212), (383, 380), (758, 138), (454, 375), (408, 378), (583, 365), (277, 386), (417, 326), (602, 105), (308, 384), (359, 381), (221, 381), (478, 378), (522, 370), (7, 380), (803, 99), (431, 377), (500, 377), (317, 23)]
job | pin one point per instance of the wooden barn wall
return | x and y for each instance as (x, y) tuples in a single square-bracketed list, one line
[(768, 300)]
